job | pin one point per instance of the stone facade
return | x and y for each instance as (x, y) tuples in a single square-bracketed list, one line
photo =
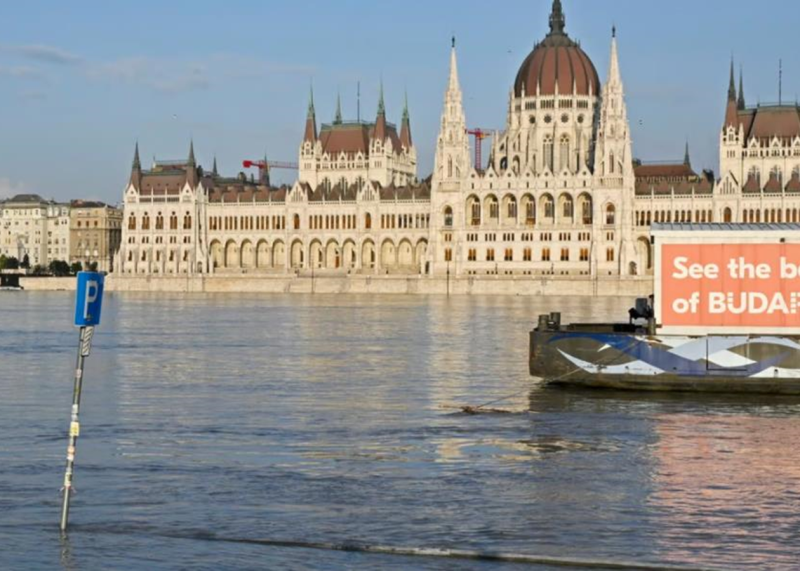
[(95, 234), (33, 226), (561, 195)]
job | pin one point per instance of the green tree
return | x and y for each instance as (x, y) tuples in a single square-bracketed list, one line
[(59, 268), (76, 267), (92, 267), (12, 263), (39, 270), (3, 261), (26, 262)]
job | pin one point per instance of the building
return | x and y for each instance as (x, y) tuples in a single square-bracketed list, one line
[(561, 194), (34, 227), (95, 234)]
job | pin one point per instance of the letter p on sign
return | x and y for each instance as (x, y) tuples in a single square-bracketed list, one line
[(89, 300)]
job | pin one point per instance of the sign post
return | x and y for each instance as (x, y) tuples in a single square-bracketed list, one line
[(88, 303)]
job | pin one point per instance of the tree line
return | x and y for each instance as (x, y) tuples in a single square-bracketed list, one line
[(57, 268)]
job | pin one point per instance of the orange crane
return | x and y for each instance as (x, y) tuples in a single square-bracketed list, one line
[(480, 135), (265, 166)]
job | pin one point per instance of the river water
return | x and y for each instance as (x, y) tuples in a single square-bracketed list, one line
[(210, 421)]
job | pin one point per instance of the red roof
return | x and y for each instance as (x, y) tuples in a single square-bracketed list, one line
[(566, 66)]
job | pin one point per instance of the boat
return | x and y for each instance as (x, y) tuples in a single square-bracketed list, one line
[(725, 318)]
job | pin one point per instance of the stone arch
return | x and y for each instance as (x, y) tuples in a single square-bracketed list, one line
[(388, 254), (368, 254), (491, 208), (333, 259), (279, 255), (231, 254), (473, 211), (405, 254), (316, 255), (247, 255), (527, 209), (297, 257), (566, 208), (585, 211), (262, 254), (509, 210), (548, 206), (349, 260), (421, 252), (217, 256)]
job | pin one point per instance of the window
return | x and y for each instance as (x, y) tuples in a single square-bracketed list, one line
[(548, 150), (610, 255), (472, 255), (490, 255), (297, 222), (527, 255), (611, 215), (187, 222), (509, 257), (564, 153), (549, 207), (146, 222), (132, 223), (448, 255), (565, 254), (584, 254), (448, 217), (159, 222), (545, 254), (567, 210)]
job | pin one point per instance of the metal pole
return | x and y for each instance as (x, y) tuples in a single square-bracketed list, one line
[(84, 345)]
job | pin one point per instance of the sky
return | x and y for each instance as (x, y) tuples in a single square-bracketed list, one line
[(81, 82)]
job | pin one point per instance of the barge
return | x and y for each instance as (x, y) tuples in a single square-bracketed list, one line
[(725, 318)]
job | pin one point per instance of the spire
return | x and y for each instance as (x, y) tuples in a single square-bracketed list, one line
[(731, 109), (557, 20), (686, 159), (338, 119), (191, 162), (380, 123), (741, 103), (614, 76), (137, 164), (214, 170), (310, 135), (732, 85), (405, 128), (381, 104), (453, 83)]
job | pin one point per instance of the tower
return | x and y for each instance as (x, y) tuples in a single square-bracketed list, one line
[(452, 161)]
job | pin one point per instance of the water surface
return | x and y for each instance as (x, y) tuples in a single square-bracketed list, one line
[(208, 420)]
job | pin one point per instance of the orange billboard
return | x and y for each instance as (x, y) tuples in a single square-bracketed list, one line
[(736, 286)]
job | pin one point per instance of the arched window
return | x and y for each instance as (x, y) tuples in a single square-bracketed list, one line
[(159, 222), (567, 209), (132, 223), (146, 222), (173, 221), (727, 216), (611, 165), (448, 217), (516, 166), (548, 152), (297, 222), (549, 207), (187, 222), (368, 221), (449, 167), (563, 153), (611, 215)]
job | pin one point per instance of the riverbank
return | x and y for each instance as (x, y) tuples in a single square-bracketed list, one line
[(399, 285)]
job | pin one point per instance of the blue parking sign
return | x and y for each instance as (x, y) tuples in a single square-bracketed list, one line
[(89, 300)]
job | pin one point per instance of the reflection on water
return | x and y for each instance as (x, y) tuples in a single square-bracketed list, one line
[(326, 418)]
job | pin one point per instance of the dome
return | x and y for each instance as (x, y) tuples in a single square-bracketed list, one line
[(557, 61)]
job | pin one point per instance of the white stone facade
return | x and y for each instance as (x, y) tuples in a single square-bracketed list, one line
[(32, 226)]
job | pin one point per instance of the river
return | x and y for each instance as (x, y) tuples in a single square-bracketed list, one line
[(209, 422)]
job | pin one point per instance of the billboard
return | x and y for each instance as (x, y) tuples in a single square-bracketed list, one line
[(750, 287)]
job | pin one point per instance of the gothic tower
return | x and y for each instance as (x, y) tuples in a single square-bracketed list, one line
[(452, 162)]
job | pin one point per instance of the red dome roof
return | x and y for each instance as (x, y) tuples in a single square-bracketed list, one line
[(557, 61)]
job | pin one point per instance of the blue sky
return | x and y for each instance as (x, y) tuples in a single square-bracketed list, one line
[(81, 81)]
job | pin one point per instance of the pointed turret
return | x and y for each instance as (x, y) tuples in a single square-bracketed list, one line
[(338, 119), (191, 162), (136, 168), (741, 103), (687, 161), (405, 128), (311, 121), (731, 110), (380, 121), (614, 75), (191, 167), (453, 160)]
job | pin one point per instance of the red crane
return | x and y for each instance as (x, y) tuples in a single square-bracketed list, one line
[(480, 135), (265, 166)]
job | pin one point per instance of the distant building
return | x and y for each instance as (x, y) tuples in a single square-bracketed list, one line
[(33, 226), (95, 234), (561, 193)]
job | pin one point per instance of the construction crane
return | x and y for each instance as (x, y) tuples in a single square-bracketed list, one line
[(480, 135), (265, 166)]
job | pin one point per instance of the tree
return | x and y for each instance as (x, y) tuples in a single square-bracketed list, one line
[(59, 268), (76, 267), (92, 267), (12, 263), (39, 270), (3, 261), (26, 262)]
